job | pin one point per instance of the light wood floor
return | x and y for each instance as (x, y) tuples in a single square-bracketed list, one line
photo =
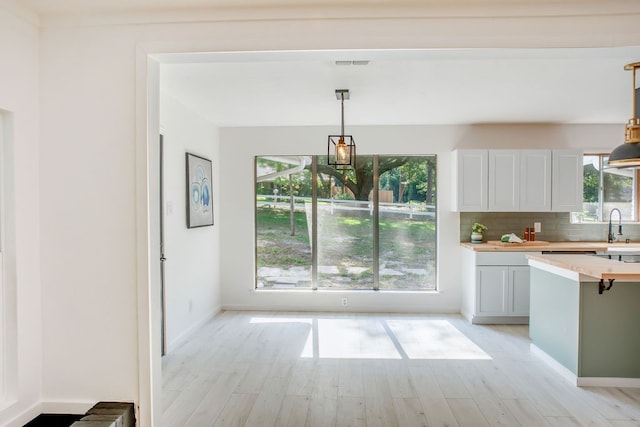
[(313, 369)]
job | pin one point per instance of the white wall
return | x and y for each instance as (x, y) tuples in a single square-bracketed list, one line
[(22, 316), (93, 165), (238, 213), (192, 275), (88, 197), (237, 204)]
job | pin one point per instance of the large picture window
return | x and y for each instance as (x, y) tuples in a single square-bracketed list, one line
[(375, 225)]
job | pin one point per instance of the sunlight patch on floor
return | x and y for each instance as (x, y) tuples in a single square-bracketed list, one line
[(349, 339), (434, 339), (352, 338)]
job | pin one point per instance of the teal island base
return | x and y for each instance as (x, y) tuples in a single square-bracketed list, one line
[(592, 338)]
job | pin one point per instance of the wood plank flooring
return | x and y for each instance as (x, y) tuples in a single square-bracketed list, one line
[(316, 369)]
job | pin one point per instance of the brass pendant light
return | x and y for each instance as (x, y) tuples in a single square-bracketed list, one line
[(627, 155), (341, 149)]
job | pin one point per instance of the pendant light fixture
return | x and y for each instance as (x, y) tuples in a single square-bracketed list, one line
[(627, 155), (341, 149)]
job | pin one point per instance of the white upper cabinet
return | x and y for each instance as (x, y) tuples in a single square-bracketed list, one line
[(535, 180), (471, 172), (519, 180), (504, 180), (568, 175)]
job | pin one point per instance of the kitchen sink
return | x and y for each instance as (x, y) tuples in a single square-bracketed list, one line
[(623, 256), (625, 250)]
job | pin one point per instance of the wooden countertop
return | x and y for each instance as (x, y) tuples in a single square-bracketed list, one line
[(545, 246), (592, 266)]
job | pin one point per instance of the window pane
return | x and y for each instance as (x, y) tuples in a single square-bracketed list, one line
[(345, 226), (283, 244), (618, 192), (604, 190), (407, 197), (591, 194), (345, 243)]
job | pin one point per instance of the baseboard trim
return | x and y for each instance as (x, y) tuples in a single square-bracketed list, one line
[(184, 336), (583, 381), (332, 309), (500, 320), (608, 382), (23, 417), (562, 370)]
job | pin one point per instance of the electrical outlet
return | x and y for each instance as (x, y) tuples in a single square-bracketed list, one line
[(345, 302), (537, 227)]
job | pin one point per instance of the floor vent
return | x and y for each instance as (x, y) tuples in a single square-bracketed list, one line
[(102, 414), (108, 414)]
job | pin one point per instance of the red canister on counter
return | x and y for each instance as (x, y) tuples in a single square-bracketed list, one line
[(526, 234)]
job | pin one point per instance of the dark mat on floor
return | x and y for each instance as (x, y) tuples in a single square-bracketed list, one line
[(53, 420)]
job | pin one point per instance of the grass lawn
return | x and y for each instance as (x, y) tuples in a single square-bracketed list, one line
[(346, 240)]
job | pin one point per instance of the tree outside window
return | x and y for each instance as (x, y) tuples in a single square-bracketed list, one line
[(605, 189), (360, 245)]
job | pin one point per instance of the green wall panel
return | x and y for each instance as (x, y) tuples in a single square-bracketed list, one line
[(591, 334), (554, 316), (610, 331)]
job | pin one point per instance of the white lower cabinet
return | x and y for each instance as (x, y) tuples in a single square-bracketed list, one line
[(495, 287), (518, 295), (502, 291)]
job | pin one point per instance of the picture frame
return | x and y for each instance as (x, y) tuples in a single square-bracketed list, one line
[(199, 191)]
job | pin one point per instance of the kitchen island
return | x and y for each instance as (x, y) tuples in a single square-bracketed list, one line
[(585, 317), (495, 276)]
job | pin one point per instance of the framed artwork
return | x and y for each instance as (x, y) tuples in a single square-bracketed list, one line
[(199, 191)]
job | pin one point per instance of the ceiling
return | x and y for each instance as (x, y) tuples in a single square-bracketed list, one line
[(99, 6), (406, 87), (402, 87)]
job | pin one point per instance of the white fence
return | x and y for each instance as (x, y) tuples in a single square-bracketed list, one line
[(412, 209)]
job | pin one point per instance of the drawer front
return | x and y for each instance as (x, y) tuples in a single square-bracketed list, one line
[(502, 258)]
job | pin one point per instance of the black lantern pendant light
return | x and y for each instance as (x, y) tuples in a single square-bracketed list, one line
[(627, 155), (341, 149)]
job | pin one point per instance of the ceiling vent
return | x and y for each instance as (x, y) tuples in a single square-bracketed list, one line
[(356, 62)]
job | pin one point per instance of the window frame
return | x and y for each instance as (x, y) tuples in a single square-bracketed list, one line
[(576, 217), (428, 285)]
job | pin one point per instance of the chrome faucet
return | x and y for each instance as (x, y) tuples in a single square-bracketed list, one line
[(611, 236)]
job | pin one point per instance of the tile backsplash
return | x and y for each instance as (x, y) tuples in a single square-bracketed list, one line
[(556, 226)]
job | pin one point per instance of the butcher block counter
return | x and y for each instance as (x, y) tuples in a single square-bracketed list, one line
[(588, 265), (539, 246)]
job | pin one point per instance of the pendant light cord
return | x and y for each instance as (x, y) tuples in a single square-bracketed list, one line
[(342, 117), (633, 98)]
